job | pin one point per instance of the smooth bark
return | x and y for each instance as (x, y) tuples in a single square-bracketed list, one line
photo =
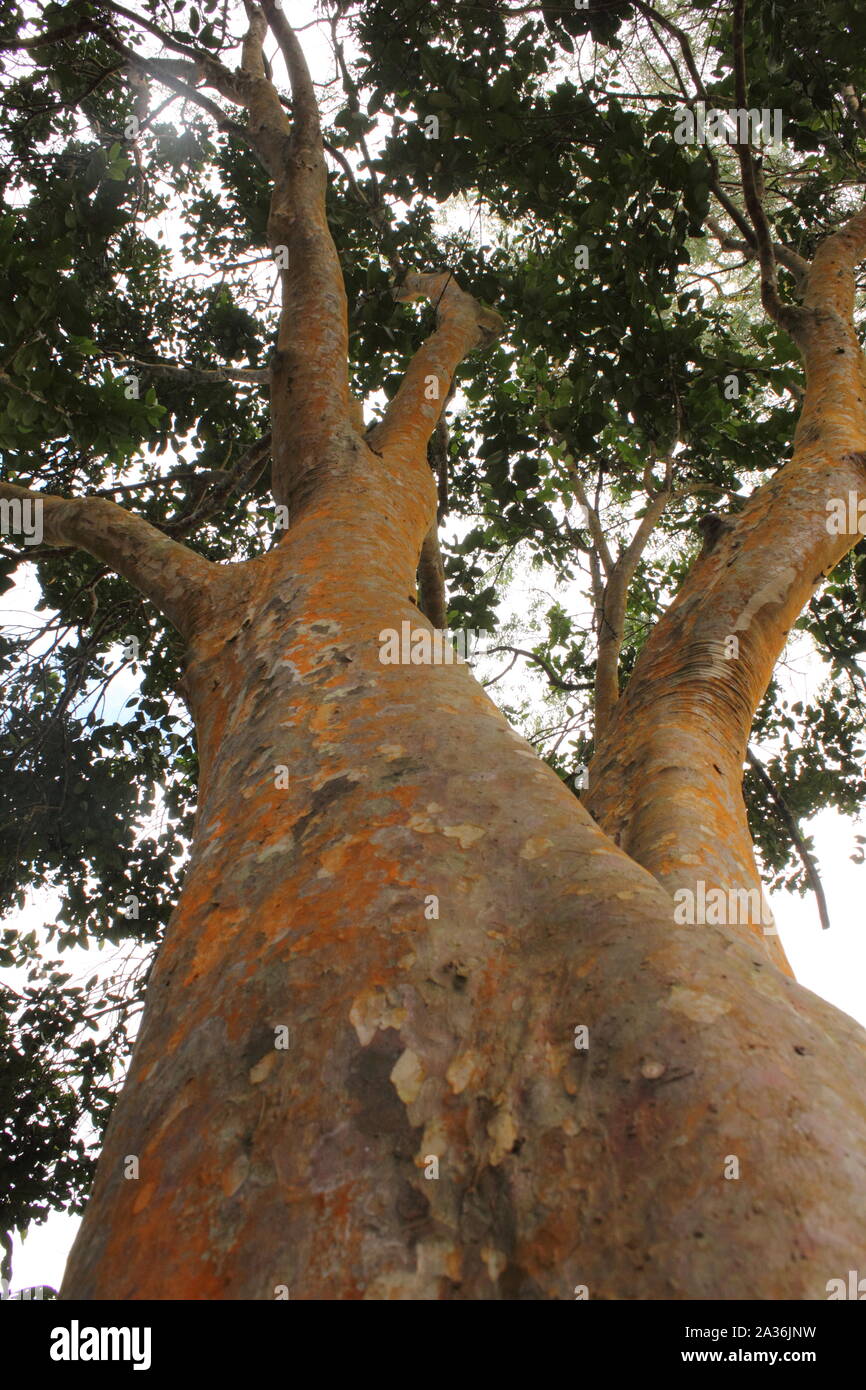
[(432, 914), (362, 1070)]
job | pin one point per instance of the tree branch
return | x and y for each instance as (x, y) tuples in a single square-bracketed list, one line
[(831, 276), (548, 670), (682, 39), (66, 31), (165, 70), (306, 128), (310, 406), (854, 106), (593, 520), (797, 840), (798, 265), (172, 576), (437, 457), (242, 477), (777, 310), (200, 65), (462, 324), (203, 376), (269, 124), (431, 580), (379, 214), (142, 22), (614, 603)]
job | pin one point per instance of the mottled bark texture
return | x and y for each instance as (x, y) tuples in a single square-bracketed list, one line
[(420, 1027), (666, 779), (431, 914)]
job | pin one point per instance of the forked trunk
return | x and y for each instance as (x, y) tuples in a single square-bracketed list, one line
[(419, 1027), (361, 1071)]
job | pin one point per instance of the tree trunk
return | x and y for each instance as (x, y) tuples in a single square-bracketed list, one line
[(432, 915), (421, 1027)]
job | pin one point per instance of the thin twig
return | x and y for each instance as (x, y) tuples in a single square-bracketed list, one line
[(797, 840)]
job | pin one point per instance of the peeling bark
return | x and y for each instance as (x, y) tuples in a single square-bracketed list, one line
[(387, 879), (447, 1036)]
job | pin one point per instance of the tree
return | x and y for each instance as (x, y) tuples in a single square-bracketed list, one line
[(423, 1022)]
